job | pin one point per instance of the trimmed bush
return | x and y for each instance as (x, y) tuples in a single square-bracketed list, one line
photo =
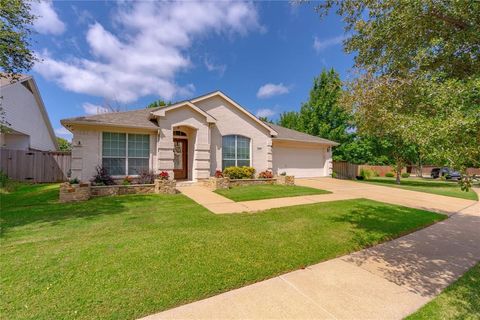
[(239, 172), (366, 173), (390, 174), (334, 174), (405, 175)]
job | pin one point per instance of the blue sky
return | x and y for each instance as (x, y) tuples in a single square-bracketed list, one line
[(264, 55)]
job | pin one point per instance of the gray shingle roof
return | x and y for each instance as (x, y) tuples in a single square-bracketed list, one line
[(135, 118), (293, 135)]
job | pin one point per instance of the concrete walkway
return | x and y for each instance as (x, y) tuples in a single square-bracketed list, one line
[(221, 205)]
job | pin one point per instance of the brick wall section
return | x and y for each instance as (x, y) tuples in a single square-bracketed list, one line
[(225, 183), (286, 180)]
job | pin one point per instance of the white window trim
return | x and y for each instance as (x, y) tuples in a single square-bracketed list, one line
[(126, 155), (236, 158)]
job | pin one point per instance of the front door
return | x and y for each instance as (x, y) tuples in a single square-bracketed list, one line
[(180, 158)]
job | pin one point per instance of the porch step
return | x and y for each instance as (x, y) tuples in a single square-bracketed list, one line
[(186, 183)]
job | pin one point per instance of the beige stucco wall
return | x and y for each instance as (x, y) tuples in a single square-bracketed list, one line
[(24, 116), (198, 142), (301, 159), (230, 120), (87, 148)]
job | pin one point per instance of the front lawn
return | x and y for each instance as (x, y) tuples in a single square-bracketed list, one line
[(129, 256), (444, 188), (461, 300), (267, 191)]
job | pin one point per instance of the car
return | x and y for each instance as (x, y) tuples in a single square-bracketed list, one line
[(446, 172)]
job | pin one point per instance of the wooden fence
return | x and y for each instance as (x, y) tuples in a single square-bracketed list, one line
[(35, 166), (346, 170)]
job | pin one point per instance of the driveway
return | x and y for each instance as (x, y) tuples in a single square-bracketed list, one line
[(387, 281)]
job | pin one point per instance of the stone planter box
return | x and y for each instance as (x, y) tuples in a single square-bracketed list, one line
[(286, 180), (74, 192), (225, 183), (102, 191), (165, 186)]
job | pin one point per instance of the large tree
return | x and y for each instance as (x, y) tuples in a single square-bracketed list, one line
[(322, 114), (419, 69)]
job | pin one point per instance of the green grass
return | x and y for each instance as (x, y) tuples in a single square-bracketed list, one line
[(461, 300), (129, 256), (266, 191), (444, 188)]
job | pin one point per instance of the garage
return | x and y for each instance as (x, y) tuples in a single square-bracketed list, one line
[(300, 154)]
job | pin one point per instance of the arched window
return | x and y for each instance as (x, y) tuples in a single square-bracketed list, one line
[(235, 151), (179, 133)]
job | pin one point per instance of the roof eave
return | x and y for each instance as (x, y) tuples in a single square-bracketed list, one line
[(329, 143), (66, 123)]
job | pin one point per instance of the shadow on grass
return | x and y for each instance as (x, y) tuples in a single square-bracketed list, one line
[(424, 262)]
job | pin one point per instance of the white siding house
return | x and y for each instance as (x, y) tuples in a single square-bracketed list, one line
[(29, 127)]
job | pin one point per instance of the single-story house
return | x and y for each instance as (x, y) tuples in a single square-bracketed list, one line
[(29, 127), (191, 140)]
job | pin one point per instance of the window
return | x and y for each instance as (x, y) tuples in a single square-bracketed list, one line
[(235, 151), (125, 153)]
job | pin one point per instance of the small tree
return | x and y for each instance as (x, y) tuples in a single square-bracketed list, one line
[(64, 144)]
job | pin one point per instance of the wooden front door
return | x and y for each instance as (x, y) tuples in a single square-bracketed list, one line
[(180, 160)]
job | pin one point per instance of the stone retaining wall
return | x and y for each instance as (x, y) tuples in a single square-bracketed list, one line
[(74, 192), (225, 183), (84, 191), (116, 190)]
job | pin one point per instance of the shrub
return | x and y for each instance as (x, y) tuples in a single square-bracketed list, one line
[(390, 174), (146, 177), (3, 179), (218, 174), (334, 174), (239, 172), (405, 175), (102, 178), (283, 173), (265, 174), (164, 175), (375, 173), (127, 181), (366, 173), (360, 177), (74, 181)]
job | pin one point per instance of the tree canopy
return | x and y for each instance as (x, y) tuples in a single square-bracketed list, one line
[(64, 144), (159, 103)]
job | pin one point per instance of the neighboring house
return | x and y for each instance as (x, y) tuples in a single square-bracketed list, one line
[(191, 140), (28, 125)]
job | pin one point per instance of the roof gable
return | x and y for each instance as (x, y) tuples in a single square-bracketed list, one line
[(163, 110), (236, 105)]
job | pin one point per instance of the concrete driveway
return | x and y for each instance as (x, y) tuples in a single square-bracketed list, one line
[(413, 199), (387, 281)]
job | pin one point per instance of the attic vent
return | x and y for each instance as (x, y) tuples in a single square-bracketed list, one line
[(179, 133)]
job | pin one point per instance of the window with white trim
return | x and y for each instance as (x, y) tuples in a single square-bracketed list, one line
[(125, 154), (235, 151)]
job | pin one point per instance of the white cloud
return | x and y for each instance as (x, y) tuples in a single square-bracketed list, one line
[(91, 108), (212, 67), (148, 49), (269, 90), (47, 21), (322, 44), (265, 113)]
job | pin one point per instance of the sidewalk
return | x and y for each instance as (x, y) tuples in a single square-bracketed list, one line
[(388, 281), (221, 205)]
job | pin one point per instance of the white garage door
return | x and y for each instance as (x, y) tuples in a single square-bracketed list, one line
[(301, 162)]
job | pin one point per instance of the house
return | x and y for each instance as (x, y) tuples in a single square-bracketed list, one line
[(29, 127), (191, 140)]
